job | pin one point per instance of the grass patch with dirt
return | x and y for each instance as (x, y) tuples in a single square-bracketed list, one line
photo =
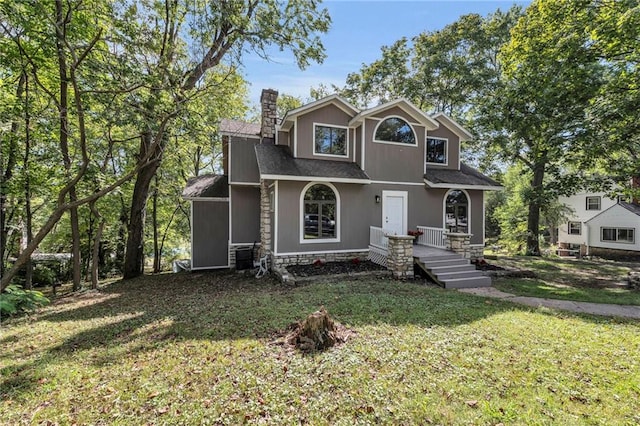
[(598, 281), (197, 349)]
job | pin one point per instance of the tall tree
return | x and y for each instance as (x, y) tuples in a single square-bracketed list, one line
[(217, 31), (537, 115)]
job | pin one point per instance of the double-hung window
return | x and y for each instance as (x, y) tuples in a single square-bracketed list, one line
[(593, 203), (575, 228)]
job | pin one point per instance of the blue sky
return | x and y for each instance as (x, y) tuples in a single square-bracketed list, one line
[(358, 30)]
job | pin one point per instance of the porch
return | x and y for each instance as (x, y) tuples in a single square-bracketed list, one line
[(448, 268)]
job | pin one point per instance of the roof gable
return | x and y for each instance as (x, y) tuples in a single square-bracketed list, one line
[(452, 125), (289, 119), (632, 208), (403, 104)]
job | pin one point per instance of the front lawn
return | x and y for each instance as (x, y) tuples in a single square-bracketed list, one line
[(598, 281), (196, 349)]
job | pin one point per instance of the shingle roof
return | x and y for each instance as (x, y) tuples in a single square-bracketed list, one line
[(207, 186), (467, 176), (240, 128), (633, 208), (276, 160)]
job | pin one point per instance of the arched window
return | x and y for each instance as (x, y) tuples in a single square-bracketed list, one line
[(320, 212), (395, 129), (457, 212)]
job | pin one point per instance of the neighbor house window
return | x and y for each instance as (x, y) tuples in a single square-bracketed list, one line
[(330, 140), (395, 129), (575, 228), (619, 235), (593, 203), (320, 218), (436, 150)]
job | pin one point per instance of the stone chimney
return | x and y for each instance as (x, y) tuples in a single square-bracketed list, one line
[(268, 101)]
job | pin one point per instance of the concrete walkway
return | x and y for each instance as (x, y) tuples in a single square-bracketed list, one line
[(625, 311)]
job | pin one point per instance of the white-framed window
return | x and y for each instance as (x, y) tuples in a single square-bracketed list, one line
[(395, 130), (330, 140), (617, 235), (574, 228), (320, 206), (593, 203), (437, 151)]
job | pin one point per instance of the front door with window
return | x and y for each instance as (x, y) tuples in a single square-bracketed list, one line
[(394, 212)]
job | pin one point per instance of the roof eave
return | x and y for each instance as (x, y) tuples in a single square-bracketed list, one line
[(447, 185), (315, 179)]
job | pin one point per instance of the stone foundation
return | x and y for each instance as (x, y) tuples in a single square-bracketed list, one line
[(614, 254), (309, 258), (400, 257), (232, 253)]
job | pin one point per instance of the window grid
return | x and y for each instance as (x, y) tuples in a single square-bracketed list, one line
[(575, 228), (619, 235), (593, 203)]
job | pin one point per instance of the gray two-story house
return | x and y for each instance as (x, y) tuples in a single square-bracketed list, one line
[(327, 181)]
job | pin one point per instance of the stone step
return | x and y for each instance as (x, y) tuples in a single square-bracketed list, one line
[(481, 281), (446, 262), (453, 275), (453, 268), (452, 256)]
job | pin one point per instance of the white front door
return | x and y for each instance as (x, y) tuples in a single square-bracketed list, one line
[(394, 212)]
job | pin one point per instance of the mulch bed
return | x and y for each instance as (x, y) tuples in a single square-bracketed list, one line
[(333, 268), (483, 265)]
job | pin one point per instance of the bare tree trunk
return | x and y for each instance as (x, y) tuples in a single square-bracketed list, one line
[(75, 237), (28, 284), (533, 217), (95, 255), (7, 174), (154, 220), (134, 255)]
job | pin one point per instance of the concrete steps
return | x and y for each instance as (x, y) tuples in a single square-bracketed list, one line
[(452, 271)]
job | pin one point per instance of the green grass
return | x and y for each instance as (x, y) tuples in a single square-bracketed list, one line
[(597, 281), (196, 349)]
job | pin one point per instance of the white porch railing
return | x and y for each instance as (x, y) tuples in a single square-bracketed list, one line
[(432, 237), (378, 245), (377, 237)]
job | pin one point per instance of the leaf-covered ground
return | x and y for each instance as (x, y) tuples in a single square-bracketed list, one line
[(197, 349)]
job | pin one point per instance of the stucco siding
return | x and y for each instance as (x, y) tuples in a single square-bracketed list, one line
[(330, 115), (210, 238), (245, 214), (394, 162), (242, 159)]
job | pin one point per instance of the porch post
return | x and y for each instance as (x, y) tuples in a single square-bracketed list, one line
[(400, 257), (458, 243)]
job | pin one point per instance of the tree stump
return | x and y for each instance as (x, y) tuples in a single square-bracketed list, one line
[(317, 332), (633, 280)]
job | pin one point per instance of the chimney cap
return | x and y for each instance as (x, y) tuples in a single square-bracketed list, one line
[(266, 92)]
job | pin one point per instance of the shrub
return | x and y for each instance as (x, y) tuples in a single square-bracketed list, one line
[(15, 299)]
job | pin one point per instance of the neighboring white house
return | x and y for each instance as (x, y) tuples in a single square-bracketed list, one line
[(598, 224)]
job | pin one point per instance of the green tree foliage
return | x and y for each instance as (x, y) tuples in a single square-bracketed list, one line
[(108, 91), (177, 43)]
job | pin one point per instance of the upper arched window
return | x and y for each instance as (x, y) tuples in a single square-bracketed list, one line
[(395, 129)]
